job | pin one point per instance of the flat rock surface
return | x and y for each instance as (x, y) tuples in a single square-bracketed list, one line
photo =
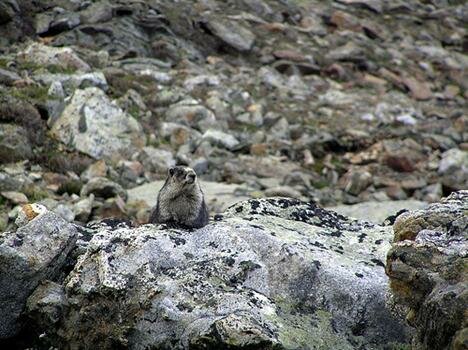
[(377, 211)]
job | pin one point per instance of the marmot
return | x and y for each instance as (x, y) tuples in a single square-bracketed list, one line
[(180, 201)]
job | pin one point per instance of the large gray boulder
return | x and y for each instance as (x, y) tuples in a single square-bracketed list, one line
[(35, 252), (267, 274), (97, 126)]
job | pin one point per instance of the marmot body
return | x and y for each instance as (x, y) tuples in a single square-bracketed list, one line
[(180, 201)]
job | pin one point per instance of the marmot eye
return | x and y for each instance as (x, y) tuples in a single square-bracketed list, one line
[(171, 171), (191, 176)]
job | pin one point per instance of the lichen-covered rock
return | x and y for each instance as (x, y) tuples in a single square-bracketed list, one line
[(428, 272), (33, 253), (41, 54), (94, 125), (267, 274)]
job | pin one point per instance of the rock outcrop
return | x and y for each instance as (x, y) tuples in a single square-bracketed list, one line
[(428, 272), (267, 274), (32, 254)]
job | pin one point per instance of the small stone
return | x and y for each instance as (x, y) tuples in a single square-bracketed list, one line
[(259, 149), (356, 181), (396, 192), (156, 159), (343, 20), (65, 211), (220, 138), (103, 188), (15, 197), (451, 91), (83, 208), (232, 34), (289, 55), (399, 163), (191, 114), (419, 90), (97, 169), (412, 184)]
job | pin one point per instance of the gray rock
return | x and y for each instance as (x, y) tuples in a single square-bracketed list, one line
[(103, 188), (357, 181), (15, 197), (232, 34), (47, 303), (190, 113), (157, 160), (377, 212), (94, 125), (219, 138), (97, 12), (14, 143), (273, 273), (65, 211), (82, 209), (428, 272), (454, 169), (8, 77), (8, 9), (71, 82), (47, 55), (28, 256)]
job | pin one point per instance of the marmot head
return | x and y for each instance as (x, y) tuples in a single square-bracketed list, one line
[(182, 176)]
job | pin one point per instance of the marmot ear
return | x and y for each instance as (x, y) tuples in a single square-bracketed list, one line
[(171, 170)]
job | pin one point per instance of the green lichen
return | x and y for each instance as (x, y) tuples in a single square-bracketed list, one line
[(306, 331), (35, 194)]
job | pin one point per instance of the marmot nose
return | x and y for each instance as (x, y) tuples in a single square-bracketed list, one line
[(191, 178)]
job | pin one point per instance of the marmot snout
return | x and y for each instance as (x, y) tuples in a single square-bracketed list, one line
[(180, 201)]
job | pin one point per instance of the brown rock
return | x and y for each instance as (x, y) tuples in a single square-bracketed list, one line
[(259, 149), (289, 55), (396, 192), (344, 21), (419, 90), (399, 163), (392, 77), (15, 197)]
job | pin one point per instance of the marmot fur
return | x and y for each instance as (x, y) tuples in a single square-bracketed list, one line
[(180, 201)]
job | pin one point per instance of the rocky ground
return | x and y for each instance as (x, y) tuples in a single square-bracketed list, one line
[(269, 274), (336, 102), (272, 273)]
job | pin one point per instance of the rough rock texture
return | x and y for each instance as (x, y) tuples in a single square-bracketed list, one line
[(428, 272), (267, 274), (94, 125), (377, 212), (33, 253)]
